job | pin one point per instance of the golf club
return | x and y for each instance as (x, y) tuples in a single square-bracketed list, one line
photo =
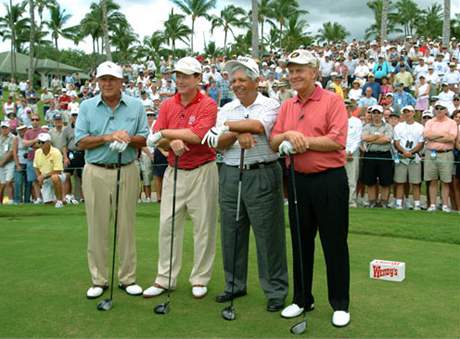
[(106, 304), (228, 313), (164, 307), (301, 326)]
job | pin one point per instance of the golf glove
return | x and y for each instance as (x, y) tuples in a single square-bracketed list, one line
[(153, 139), (212, 136), (117, 146), (286, 148)]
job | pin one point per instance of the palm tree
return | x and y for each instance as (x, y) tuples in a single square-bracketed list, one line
[(58, 19), (175, 29), (383, 24), (272, 40), (13, 26), (408, 15), (332, 32), (455, 26), (212, 50), (151, 45), (241, 44), (255, 29), (105, 30), (124, 39), (230, 17), (264, 13), (195, 9), (375, 29), (283, 9), (446, 23), (31, 70), (296, 34), (430, 24)]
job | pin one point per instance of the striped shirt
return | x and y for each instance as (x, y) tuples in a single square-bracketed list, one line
[(262, 109)]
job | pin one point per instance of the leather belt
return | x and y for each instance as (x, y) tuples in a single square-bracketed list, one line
[(110, 166), (442, 151), (257, 165)]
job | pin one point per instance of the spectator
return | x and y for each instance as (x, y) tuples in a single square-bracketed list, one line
[(47, 99), (74, 160), (146, 161), (368, 100), (9, 106), (381, 69), (355, 92), (6, 163), (64, 100), (422, 93), (355, 127), (446, 97), (404, 78), (213, 91), (225, 89), (375, 86), (401, 97), (440, 134), (21, 185)]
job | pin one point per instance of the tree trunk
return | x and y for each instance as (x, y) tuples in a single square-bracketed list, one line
[(13, 43), (255, 29), (31, 71), (105, 31), (383, 24), (225, 41), (446, 24), (281, 35), (192, 33)]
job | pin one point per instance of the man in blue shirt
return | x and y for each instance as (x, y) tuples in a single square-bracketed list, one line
[(108, 124), (372, 84), (402, 98)]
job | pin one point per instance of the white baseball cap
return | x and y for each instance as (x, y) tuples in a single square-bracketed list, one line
[(5, 123), (44, 137), (376, 108), (427, 114), (408, 108), (302, 57), (247, 62), (109, 68), (188, 65)]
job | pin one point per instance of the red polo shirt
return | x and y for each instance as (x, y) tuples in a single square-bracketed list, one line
[(198, 116), (322, 114)]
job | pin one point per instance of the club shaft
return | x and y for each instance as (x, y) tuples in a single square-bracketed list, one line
[(115, 226), (173, 218)]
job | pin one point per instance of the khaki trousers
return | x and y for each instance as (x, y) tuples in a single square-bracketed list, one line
[(99, 188), (196, 194), (352, 169)]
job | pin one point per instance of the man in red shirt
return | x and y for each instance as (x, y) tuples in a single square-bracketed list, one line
[(313, 126), (182, 123), (64, 100)]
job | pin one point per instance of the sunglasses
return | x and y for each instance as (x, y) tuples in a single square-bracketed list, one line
[(40, 142), (439, 108), (35, 119), (426, 117)]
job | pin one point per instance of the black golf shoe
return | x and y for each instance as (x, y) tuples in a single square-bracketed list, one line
[(224, 297), (275, 305)]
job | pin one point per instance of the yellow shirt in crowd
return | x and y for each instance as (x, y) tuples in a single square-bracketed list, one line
[(49, 162)]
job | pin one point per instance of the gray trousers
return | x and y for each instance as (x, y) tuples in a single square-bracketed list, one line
[(262, 207)]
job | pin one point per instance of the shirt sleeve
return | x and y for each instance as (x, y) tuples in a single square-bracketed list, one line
[(205, 119), (58, 164), (143, 128), (279, 126), (338, 122), (268, 118), (161, 122), (82, 125)]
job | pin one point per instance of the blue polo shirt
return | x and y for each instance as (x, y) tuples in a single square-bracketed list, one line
[(96, 118)]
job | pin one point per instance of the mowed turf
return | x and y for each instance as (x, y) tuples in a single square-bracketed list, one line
[(44, 278)]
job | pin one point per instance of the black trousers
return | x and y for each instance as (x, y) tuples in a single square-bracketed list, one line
[(323, 206)]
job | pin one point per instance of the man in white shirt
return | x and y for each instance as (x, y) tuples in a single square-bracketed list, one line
[(446, 97), (326, 67), (355, 127), (421, 68), (408, 142), (452, 77)]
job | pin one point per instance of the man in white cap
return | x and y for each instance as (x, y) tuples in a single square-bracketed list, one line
[(246, 123), (48, 166), (313, 127), (182, 122), (109, 124), (408, 142), (6, 162)]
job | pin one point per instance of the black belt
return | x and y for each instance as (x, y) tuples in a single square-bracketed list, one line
[(442, 151), (111, 166), (191, 169), (257, 165)]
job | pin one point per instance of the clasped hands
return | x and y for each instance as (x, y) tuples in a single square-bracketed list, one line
[(246, 140), (120, 141), (295, 142)]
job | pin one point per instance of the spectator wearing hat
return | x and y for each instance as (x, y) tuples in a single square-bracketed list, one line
[(401, 97), (284, 92), (440, 65), (6, 162), (182, 123), (213, 91), (404, 77), (313, 125), (385, 88), (21, 186), (455, 185), (422, 93), (46, 98), (74, 161), (408, 142), (355, 92), (368, 100), (393, 118), (432, 78), (446, 97), (381, 69), (57, 133), (351, 64), (377, 162), (361, 71), (336, 85), (421, 68), (226, 94), (110, 125), (440, 134), (375, 86), (64, 100), (146, 161), (48, 168), (9, 106), (326, 67), (352, 149)]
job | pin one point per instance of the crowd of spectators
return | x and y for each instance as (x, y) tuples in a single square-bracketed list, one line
[(403, 99)]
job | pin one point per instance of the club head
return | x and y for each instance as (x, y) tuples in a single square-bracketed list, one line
[(104, 305), (299, 328), (228, 313), (161, 308)]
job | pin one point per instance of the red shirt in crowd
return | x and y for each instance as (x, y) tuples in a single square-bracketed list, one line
[(64, 101), (323, 114), (198, 116), (30, 135)]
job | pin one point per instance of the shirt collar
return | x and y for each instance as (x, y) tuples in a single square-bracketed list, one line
[(259, 101), (100, 101), (315, 96), (197, 99)]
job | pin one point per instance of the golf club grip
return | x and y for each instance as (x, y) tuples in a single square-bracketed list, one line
[(115, 226)]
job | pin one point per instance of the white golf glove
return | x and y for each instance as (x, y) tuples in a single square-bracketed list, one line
[(117, 146), (212, 136), (286, 148), (153, 139)]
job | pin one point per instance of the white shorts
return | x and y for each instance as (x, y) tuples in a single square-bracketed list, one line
[(7, 173), (48, 189)]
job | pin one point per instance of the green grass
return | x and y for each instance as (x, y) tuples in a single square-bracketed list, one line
[(44, 279)]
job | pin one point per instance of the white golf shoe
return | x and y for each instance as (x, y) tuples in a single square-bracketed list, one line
[(199, 291), (95, 291), (153, 291), (340, 318), (132, 289), (291, 311)]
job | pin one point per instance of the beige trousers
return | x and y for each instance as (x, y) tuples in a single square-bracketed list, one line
[(352, 169), (99, 188), (196, 194)]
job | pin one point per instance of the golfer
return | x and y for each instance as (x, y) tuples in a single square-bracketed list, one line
[(246, 123), (182, 122), (107, 124), (313, 125)]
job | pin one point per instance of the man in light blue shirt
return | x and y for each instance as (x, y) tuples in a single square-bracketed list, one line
[(109, 124)]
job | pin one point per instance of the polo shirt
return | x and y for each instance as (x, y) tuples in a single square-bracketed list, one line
[(198, 116), (47, 163), (383, 129), (96, 118), (444, 127), (322, 114), (30, 135)]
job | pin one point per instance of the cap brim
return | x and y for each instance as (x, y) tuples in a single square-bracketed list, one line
[(184, 71)]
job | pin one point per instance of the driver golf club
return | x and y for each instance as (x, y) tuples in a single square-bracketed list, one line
[(301, 326), (228, 313), (164, 307), (106, 304)]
